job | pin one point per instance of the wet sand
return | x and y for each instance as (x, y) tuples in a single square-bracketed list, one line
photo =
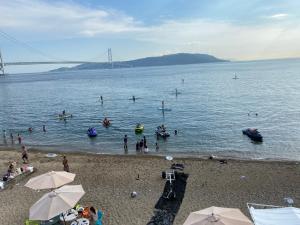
[(109, 179)]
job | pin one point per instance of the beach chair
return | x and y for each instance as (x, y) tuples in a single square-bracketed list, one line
[(170, 176), (32, 222), (170, 193)]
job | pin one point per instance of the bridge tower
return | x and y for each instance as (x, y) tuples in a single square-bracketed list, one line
[(109, 56), (1, 64)]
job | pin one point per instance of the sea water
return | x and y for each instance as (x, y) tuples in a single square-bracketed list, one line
[(209, 112)]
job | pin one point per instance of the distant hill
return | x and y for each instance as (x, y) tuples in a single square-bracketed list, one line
[(166, 60)]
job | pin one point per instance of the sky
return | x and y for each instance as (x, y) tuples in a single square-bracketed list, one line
[(33, 30)]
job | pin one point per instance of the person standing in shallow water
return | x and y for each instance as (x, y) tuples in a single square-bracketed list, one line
[(145, 141), (12, 138), (125, 142), (44, 128), (65, 164), (19, 139)]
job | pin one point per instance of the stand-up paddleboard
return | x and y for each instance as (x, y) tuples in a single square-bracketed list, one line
[(61, 116), (164, 109)]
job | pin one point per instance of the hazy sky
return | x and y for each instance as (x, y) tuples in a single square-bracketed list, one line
[(84, 29)]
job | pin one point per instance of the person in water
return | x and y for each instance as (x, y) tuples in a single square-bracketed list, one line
[(125, 142), (44, 128), (19, 139), (141, 145), (30, 129), (137, 146), (133, 98), (145, 141), (146, 150), (156, 146), (65, 164), (12, 138), (106, 121), (64, 112), (4, 134), (175, 132)]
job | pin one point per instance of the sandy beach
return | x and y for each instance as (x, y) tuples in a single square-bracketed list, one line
[(109, 179)]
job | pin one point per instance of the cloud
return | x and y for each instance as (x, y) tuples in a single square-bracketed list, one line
[(278, 16), (224, 39), (63, 18)]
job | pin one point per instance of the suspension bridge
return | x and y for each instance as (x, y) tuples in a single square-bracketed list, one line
[(4, 64), (32, 49)]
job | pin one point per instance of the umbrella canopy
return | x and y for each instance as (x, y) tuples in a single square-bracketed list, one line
[(217, 216), (56, 202), (53, 179), (276, 216)]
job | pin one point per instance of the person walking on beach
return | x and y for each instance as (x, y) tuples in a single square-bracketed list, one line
[(65, 164), (24, 154), (125, 142), (44, 128)]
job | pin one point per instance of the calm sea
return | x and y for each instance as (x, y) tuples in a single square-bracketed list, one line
[(209, 114)]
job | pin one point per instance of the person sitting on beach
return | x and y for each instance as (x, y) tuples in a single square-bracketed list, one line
[(93, 215), (24, 154), (65, 164), (10, 169)]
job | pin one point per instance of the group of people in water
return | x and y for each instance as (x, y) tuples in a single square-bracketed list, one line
[(141, 146)]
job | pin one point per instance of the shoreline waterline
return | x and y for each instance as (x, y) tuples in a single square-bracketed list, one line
[(159, 155)]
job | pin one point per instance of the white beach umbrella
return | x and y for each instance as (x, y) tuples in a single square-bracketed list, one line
[(56, 202), (217, 216), (53, 179)]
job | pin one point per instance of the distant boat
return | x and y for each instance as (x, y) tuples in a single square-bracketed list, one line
[(235, 77)]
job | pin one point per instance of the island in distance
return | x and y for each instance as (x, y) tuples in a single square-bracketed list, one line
[(165, 60)]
